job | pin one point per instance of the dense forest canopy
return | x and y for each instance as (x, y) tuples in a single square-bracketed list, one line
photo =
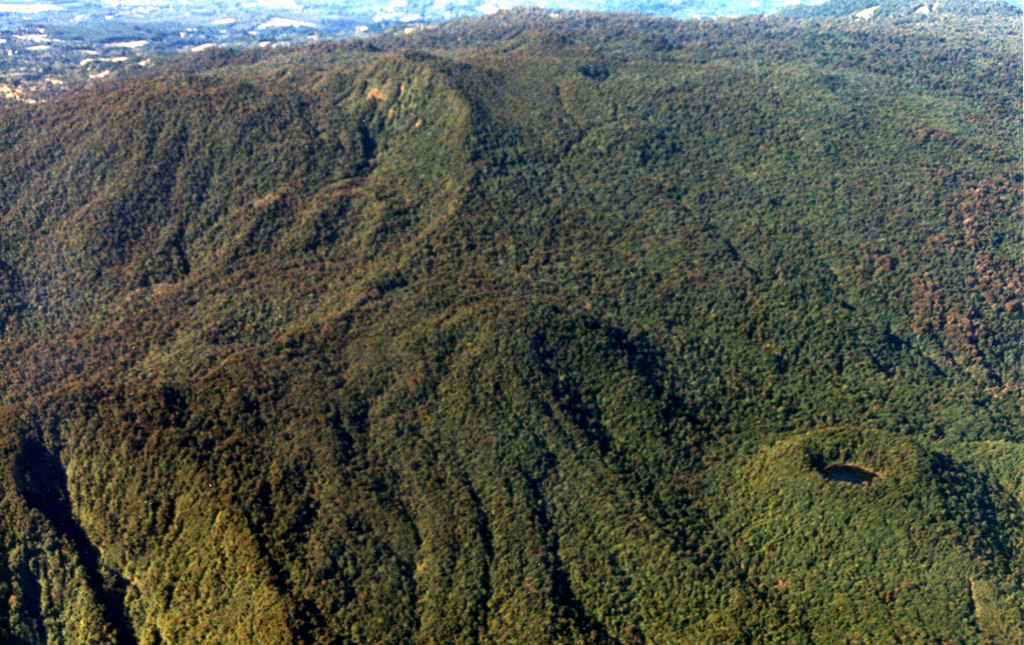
[(526, 329)]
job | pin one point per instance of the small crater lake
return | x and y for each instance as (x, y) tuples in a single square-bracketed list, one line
[(848, 473)]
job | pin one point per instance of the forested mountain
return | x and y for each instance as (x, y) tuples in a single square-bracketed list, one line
[(524, 329)]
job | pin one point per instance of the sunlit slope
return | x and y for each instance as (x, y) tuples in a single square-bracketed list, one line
[(521, 330)]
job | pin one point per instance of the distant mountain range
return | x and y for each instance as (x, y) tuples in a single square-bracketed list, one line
[(49, 47), (319, 14)]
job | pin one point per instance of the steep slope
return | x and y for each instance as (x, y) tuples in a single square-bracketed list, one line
[(521, 330)]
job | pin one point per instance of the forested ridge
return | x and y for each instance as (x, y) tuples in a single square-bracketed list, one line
[(533, 328)]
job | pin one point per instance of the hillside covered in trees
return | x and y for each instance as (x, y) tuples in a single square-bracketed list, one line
[(526, 329)]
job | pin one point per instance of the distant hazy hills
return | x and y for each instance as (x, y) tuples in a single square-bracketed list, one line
[(522, 329), (902, 9), (323, 14)]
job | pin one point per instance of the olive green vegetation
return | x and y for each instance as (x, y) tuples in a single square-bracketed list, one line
[(522, 330)]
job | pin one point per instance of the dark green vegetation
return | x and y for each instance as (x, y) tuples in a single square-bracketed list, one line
[(522, 330)]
